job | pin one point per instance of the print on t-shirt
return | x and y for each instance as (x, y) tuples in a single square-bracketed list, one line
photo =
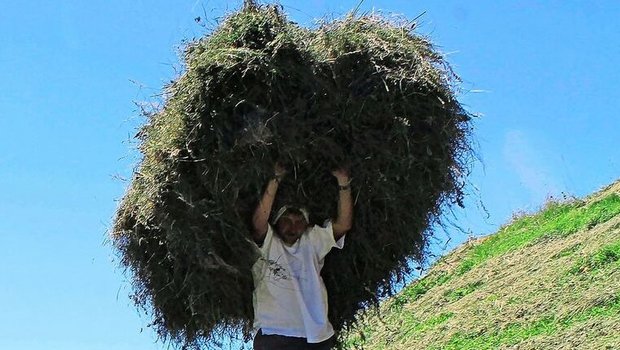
[(277, 272)]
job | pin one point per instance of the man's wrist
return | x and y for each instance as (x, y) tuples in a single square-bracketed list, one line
[(344, 184), (344, 181), (344, 187)]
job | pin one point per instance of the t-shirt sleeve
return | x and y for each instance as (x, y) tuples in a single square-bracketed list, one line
[(323, 239)]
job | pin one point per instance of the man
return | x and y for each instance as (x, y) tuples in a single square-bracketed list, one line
[(290, 299)]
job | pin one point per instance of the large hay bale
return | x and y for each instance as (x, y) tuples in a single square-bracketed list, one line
[(362, 91)]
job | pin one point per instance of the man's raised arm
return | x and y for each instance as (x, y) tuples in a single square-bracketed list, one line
[(344, 220), (260, 219)]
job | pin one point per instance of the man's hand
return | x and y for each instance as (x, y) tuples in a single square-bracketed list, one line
[(342, 175), (278, 171), (260, 219)]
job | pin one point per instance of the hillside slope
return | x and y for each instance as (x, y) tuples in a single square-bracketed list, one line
[(549, 280)]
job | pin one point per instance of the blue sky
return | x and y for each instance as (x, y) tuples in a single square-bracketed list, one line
[(542, 75)]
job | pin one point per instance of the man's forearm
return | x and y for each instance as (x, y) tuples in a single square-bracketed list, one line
[(344, 220), (260, 219)]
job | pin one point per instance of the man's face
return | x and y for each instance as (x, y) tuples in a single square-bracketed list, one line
[(290, 227)]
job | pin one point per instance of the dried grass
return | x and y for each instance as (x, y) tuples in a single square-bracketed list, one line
[(362, 91)]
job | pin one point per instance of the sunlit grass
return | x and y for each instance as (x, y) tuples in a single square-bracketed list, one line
[(607, 255), (556, 220), (518, 332), (436, 303)]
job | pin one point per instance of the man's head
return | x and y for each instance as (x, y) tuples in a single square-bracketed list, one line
[(290, 223)]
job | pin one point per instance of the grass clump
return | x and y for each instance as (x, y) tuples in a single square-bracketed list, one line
[(362, 91)]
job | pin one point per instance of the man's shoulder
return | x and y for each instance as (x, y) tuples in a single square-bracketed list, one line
[(327, 225), (320, 234)]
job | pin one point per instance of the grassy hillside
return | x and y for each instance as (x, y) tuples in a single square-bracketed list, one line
[(549, 280)]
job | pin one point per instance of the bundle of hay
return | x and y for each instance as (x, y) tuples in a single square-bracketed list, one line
[(361, 91)]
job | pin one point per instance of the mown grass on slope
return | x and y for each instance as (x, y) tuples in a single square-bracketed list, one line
[(557, 219), (518, 332), (607, 255), (413, 315)]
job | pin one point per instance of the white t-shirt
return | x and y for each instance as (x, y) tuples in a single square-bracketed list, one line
[(289, 294)]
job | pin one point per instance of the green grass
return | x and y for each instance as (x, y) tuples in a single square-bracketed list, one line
[(411, 327), (458, 293), (415, 327), (358, 339), (567, 251), (556, 220), (419, 288)]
